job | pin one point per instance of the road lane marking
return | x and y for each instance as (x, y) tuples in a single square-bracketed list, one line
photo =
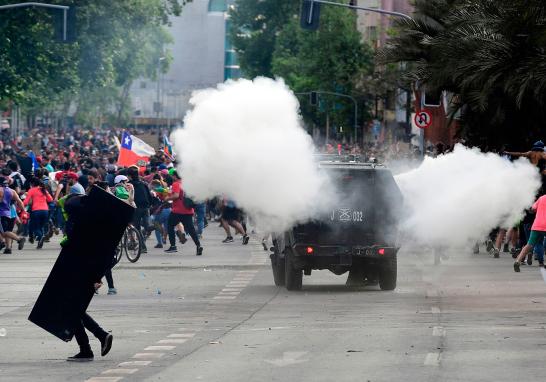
[(172, 341), (120, 371), (181, 335), (148, 355), (224, 297), (438, 331), (432, 359), (289, 358), (152, 348), (232, 289), (104, 379), (229, 293), (135, 363), (248, 271)]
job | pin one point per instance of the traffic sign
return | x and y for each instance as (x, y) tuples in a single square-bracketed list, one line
[(423, 119)]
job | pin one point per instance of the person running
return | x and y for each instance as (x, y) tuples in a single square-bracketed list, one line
[(7, 220), (538, 230), (73, 206), (180, 213), (38, 198), (160, 211), (230, 216)]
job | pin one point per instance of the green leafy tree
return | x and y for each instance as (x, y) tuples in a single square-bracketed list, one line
[(117, 41), (254, 29), (333, 59)]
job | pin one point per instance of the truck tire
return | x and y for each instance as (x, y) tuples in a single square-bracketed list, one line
[(293, 276), (387, 275), (356, 277), (277, 265)]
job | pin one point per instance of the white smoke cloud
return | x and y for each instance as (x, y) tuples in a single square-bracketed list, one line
[(460, 197), (244, 139)]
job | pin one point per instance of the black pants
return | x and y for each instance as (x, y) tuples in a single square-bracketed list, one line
[(187, 222), (109, 278), (141, 219), (88, 323)]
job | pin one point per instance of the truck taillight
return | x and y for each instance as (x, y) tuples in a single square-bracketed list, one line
[(381, 251), (310, 250)]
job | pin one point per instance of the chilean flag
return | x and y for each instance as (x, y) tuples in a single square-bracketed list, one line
[(134, 151)]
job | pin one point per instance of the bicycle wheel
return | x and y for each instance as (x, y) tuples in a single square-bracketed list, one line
[(132, 244), (119, 252)]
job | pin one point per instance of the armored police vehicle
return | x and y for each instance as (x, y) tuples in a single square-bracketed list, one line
[(358, 235)]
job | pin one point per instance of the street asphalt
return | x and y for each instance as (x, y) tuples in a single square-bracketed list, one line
[(219, 317)]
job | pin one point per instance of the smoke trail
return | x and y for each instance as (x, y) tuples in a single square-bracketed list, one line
[(460, 197), (244, 139)]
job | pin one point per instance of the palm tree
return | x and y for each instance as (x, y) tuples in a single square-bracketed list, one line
[(488, 52)]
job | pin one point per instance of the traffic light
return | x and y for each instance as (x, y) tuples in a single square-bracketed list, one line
[(58, 25), (313, 98), (310, 15)]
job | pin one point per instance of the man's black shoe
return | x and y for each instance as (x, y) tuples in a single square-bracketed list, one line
[(158, 246), (246, 238), (31, 239), (199, 251), (40, 243), (106, 344), (530, 259), (228, 239), (21, 243), (516, 266), (7, 251), (83, 356), (144, 250), (171, 249)]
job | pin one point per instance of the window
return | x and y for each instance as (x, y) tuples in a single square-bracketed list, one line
[(217, 6)]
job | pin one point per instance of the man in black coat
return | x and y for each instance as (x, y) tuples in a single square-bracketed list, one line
[(143, 201)]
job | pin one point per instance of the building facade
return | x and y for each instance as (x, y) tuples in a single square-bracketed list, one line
[(202, 57)]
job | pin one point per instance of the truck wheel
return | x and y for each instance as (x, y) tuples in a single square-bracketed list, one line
[(293, 276), (356, 277), (387, 275), (277, 265)]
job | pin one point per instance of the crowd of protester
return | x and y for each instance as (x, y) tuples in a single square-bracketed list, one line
[(35, 185)]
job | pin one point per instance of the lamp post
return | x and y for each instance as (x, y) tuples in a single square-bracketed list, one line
[(344, 96), (158, 102)]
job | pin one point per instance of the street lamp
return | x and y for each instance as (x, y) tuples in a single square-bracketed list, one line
[(157, 106), (315, 92)]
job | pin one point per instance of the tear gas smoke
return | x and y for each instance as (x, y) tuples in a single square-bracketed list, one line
[(244, 139), (458, 198)]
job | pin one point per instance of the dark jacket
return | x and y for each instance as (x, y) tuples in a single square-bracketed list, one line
[(143, 198)]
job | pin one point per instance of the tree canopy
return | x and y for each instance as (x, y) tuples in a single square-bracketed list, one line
[(116, 42), (270, 42), (490, 53)]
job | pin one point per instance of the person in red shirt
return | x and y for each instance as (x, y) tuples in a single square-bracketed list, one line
[(38, 198), (66, 174), (538, 231), (180, 213)]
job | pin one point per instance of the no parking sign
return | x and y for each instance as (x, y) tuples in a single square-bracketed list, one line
[(423, 119)]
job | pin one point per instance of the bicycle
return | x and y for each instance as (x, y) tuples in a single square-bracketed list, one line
[(131, 244)]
